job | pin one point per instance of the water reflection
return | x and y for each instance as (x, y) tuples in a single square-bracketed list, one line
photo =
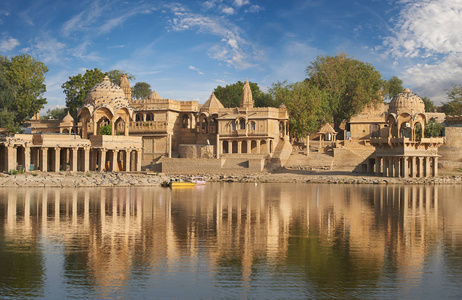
[(231, 240)]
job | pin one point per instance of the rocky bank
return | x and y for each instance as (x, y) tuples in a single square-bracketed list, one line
[(95, 179)]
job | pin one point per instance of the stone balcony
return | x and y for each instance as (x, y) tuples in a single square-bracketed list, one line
[(148, 126)]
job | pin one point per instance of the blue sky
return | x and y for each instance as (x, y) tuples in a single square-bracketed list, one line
[(185, 49)]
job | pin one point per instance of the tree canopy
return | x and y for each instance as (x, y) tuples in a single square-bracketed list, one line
[(454, 106), (230, 95), (22, 85), (57, 113), (306, 104), (114, 76), (392, 87), (141, 90), (349, 83), (429, 105)]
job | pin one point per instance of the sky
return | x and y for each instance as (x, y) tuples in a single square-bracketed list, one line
[(185, 49)]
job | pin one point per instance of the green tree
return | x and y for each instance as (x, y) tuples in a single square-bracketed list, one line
[(392, 87), (306, 103), (105, 130), (141, 90), (349, 83), (114, 76), (26, 80), (454, 106), (57, 113), (77, 86), (429, 105), (433, 129), (230, 95)]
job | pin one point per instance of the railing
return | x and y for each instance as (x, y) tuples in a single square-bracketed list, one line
[(148, 126)]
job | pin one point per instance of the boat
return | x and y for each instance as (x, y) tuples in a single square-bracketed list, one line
[(198, 180), (180, 183)]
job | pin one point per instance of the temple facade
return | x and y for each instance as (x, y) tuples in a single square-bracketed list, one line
[(401, 149)]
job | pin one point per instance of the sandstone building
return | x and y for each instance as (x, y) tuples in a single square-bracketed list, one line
[(150, 132)]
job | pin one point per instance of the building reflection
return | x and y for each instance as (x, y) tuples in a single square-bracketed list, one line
[(337, 236)]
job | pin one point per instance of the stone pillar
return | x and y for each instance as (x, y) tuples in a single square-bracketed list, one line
[(258, 146), (405, 167), (230, 146), (435, 166), (138, 160), (378, 166), (218, 146), (427, 167), (102, 162), (239, 147), (73, 163), (128, 154), (86, 159), (44, 159), (413, 167), (57, 161), (396, 166), (114, 160), (11, 154), (419, 167), (113, 129), (27, 158)]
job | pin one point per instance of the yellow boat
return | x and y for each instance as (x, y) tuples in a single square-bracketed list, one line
[(180, 183)]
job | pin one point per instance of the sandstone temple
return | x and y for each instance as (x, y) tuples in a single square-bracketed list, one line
[(152, 134)]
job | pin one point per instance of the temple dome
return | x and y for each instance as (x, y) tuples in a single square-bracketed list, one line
[(68, 118), (106, 94), (154, 96), (406, 101)]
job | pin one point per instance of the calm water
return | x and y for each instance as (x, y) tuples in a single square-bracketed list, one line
[(230, 240)]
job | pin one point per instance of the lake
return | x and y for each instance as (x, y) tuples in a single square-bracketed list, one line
[(232, 240)]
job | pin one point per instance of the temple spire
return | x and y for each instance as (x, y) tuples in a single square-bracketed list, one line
[(246, 96)]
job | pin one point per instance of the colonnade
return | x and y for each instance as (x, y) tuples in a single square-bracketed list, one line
[(404, 166), (74, 159), (245, 146)]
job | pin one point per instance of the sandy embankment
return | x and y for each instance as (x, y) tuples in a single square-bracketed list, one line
[(92, 179)]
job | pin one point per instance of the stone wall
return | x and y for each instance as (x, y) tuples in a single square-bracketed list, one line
[(196, 151), (190, 166)]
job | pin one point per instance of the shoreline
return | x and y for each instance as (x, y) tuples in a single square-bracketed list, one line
[(120, 179)]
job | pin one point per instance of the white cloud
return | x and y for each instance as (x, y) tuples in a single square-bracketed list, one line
[(232, 49), (254, 9), (433, 80), (47, 50), (8, 44), (196, 69), (80, 52), (241, 2), (426, 27), (228, 10), (426, 43)]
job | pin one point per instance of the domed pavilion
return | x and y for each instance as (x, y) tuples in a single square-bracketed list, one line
[(402, 150)]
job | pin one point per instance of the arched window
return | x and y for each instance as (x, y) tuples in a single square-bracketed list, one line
[(149, 117), (185, 121), (242, 124), (204, 125), (233, 126), (252, 125), (139, 117)]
